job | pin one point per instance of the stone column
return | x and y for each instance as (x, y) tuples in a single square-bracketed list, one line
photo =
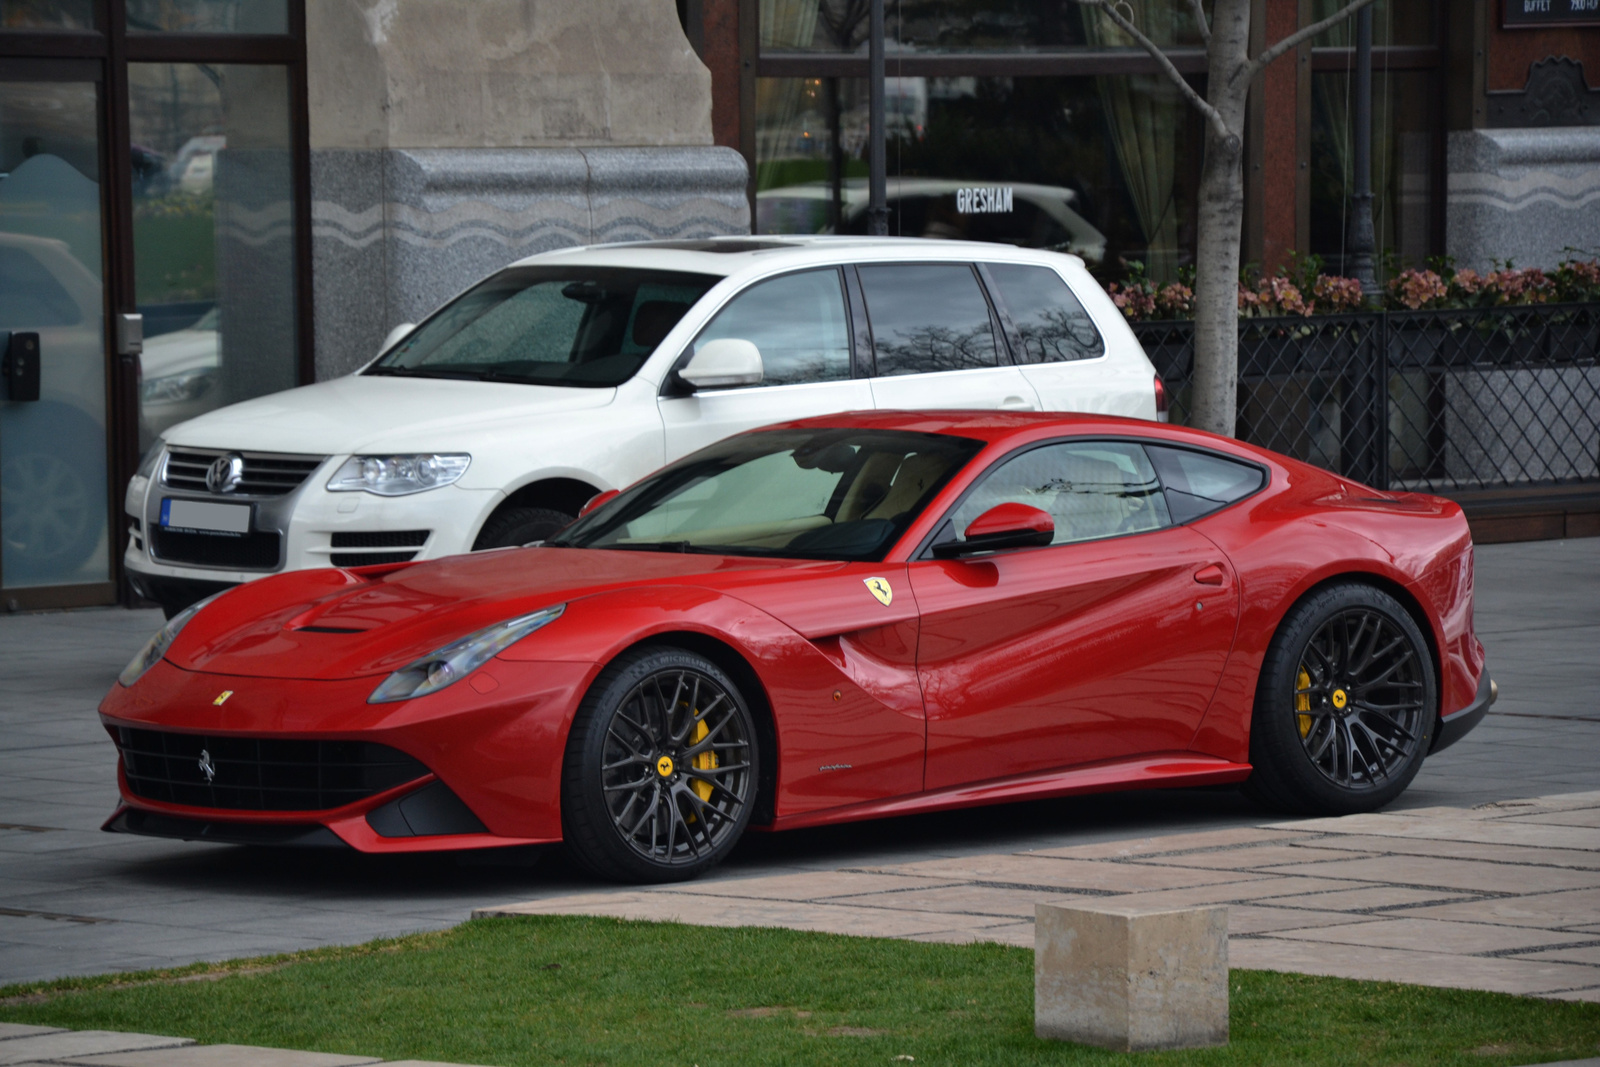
[(450, 139)]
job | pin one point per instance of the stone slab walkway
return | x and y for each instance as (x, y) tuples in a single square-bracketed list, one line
[(35, 1046), (1502, 897)]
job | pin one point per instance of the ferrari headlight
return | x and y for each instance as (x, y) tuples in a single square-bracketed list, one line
[(460, 658), (157, 646), (399, 475)]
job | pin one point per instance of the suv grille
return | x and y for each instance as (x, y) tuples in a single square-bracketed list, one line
[(265, 474), (257, 551), (258, 774)]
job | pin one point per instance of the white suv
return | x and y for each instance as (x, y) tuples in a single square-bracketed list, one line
[(579, 371)]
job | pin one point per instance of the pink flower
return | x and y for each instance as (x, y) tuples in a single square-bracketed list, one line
[(1417, 288)]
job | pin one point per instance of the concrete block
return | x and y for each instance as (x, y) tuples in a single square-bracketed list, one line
[(10, 1030), (225, 1056), (1130, 978)]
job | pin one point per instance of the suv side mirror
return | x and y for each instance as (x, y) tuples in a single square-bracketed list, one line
[(724, 362), (1002, 526)]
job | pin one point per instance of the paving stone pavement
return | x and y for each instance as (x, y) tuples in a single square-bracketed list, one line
[(1502, 897), (74, 900), (35, 1046)]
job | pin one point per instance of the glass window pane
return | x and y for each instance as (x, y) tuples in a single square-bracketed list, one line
[(962, 25), (1050, 322), (927, 317), (1198, 482), (209, 16), (797, 322), (1091, 489), (213, 236), (46, 14), (53, 515), (1402, 161), (1394, 22), (1106, 168)]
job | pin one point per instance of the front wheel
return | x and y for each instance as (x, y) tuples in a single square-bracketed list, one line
[(1345, 707), (661, 768)]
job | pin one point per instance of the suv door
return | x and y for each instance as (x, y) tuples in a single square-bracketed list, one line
[(1059, 349), (935, 340), (800, 325)]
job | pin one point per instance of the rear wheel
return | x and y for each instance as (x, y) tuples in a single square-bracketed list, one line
[(1345, 707), (660, 772)]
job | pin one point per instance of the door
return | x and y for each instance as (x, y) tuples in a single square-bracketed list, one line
[(1105, 644), (53, 492), (935, 341), (798, 323)]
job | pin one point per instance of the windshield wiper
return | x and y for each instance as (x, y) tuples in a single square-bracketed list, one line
[(656, 546), (426, 372)]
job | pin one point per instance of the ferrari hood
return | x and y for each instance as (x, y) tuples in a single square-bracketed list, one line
[(327, 624)]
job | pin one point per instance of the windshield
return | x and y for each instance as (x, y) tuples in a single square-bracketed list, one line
[(578, 326), (840, 494)]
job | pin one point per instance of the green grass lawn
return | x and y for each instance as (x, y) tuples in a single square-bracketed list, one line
[(542, 990)]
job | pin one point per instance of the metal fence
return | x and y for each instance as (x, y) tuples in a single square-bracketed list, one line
[(1439, 401)]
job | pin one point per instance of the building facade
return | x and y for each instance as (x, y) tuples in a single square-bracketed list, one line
[(263, 189)]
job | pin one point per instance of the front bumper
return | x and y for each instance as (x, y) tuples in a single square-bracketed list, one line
[(489, 751), (1457, 725)]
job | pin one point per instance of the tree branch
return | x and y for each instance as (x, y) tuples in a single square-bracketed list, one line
[(1212, 115), (1300, 36), (1200, 21)]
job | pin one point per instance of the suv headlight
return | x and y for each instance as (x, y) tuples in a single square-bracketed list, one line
[(398, 475), (157, 646), (460, 658)]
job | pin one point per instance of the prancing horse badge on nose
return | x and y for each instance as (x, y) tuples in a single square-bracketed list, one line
[(879, 587)]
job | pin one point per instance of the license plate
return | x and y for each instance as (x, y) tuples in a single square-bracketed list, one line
[(199, 516)]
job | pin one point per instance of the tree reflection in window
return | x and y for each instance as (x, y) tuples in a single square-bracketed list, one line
[(927, 317)]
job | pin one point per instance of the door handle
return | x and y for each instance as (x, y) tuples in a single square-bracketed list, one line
[(1210, 574), (1016, 403), (19, 366)]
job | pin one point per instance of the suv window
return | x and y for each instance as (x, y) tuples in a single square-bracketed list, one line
[(29, 294), (927, 317), (1090, 488), (1198, 483), (1050, 322), (798, 323)]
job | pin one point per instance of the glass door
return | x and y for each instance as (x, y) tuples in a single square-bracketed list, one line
[(54, 536)]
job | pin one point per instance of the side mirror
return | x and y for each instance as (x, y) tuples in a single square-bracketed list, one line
[(1002, 526), (396, 335), (599, 500), (724, 362)]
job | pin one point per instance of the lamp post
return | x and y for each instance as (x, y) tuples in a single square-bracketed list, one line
[(877, 160), (1361, 241)]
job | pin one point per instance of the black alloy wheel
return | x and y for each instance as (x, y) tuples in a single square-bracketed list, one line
[(661, 768), (1346, 705)]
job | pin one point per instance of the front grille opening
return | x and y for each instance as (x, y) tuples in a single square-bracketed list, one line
[(264, 474), (258, 550), (368, 559), (381, 539), (258, 774)]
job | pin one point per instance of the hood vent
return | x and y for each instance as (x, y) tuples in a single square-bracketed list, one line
[(330, 630)]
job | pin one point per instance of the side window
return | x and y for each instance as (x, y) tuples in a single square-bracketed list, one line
[(30, 296), (1051, 323), (927, 317), (1198, 483), (798, 323), (1090, 488)]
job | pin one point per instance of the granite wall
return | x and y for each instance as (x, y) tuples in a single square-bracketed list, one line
[(450, 139), (1523, 194)]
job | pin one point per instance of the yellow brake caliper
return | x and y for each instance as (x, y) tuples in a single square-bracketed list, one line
[(1302, 702), (706, 761)]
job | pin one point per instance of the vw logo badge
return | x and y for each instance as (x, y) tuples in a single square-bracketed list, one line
[(207, 768), (225, 473)]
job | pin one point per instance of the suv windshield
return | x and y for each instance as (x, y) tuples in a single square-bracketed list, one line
[(578, 326), (840, 494)]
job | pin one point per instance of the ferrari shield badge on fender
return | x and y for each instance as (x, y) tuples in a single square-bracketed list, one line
[(879, 587), (222, 698)]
